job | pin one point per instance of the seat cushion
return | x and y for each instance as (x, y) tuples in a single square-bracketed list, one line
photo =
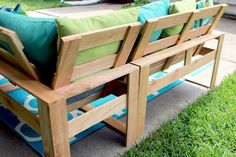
[(179, 7), (70, 26), (154, 10), (199, 5), (39, 38)]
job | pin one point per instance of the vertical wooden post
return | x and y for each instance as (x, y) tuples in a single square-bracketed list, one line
[(54, 128), (132, 119), (217, 60)]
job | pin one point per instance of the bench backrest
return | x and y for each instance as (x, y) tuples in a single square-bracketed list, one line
[(145, 47), (67, 71), (11, 51)]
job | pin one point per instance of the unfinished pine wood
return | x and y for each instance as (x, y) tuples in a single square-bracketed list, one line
[(161, 44), (96, 80), (54, 128), (135, 114), (188, 56), (66, 61), (217, 60), (18, 57), (176, 74), (112, 122), (83, 102), (142, 98), (147, 31), (182, 37), (94, 66), (96, 115), (172, 20), (128, 43), (168, 52), (20, 111)]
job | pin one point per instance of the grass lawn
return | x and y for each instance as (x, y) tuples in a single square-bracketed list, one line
[(31, 4), (206, 128)]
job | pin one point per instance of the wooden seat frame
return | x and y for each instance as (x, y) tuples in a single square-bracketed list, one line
[(159, 55), (51, 122)]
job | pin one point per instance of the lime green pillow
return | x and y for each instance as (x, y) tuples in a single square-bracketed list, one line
[(179, 7), (69, 26)]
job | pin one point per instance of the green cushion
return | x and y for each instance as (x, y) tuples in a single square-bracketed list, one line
[(69, 26), (199, 5), (38, 36), (179, 7)]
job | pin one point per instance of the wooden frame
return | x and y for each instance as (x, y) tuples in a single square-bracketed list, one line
[(156, 56), (51, 122)]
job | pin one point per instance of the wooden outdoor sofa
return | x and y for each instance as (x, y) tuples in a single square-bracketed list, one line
[(146, 58), (161, 54)]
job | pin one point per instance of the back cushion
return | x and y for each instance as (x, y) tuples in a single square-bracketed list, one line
[(38, 36), (179, 7), (69, 26), (154, 10), (199, 5)]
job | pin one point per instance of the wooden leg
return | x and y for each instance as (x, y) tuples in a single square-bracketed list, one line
[(132, 107), (54, 128), (217, 60), (142, 101)]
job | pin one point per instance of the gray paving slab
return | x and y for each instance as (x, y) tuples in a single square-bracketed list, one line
[(106, 142)]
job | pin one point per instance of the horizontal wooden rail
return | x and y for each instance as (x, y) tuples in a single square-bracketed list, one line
[(176, 74), (96, 115), (96, 80), (164, 54)]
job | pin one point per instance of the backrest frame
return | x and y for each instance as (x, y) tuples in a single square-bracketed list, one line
[(67, 70), (18, 57)]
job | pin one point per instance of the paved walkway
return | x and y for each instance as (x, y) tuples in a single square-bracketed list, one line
[(107, 143)]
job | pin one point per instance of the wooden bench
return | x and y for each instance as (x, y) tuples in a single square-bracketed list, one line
[(51, 122), (161, 54)]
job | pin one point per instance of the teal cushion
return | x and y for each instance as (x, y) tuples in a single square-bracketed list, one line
[(199, 5), (154, 10), (17, 9), (38, 36), (69, 26)]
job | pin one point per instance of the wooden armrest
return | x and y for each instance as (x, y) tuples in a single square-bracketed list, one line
[(96, 80), (166, 53), (36, 88)]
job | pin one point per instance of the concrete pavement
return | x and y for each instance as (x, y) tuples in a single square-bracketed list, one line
[(107, 143)]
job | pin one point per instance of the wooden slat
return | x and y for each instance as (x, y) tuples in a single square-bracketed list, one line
[(93, 66), (20, 111), (97, 80), (208, 12), (156, 67), (172, 20), (102, 37), (96, 115), (174, 75), (197, 32), (83, 102), (66, 61), (32, 86), (128, 43), (112, 122), (18, 58), (160, 55), (160, 44), (146, 34), (188, 57)]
